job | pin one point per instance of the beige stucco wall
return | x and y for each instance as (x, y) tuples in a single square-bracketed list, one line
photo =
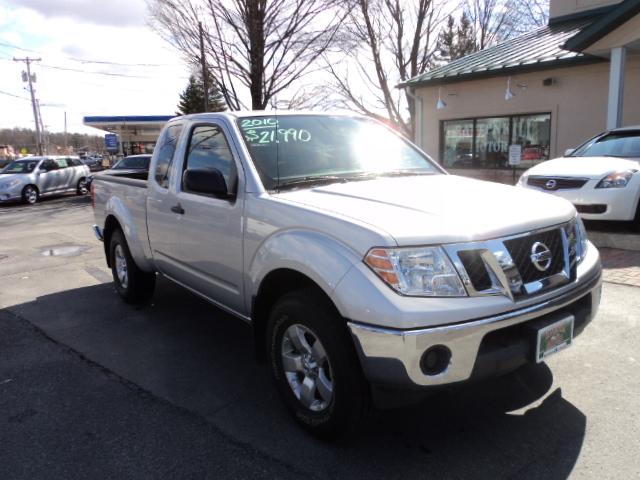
[(559, 8), (577, 102)]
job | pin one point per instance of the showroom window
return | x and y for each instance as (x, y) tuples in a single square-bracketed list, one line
[(483, 142)]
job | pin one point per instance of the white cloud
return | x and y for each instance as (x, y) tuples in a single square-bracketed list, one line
[(111, 12), (58, 39)]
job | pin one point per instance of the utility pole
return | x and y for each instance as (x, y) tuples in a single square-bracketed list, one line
[(203, 61), (29, 78), (43, 132)]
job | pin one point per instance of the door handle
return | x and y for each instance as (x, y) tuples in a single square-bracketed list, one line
[(177, 209)]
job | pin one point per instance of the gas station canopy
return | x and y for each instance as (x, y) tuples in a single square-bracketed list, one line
[(136, 133)]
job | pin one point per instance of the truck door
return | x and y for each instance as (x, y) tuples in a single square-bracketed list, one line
[(206, 250), (160, 217)]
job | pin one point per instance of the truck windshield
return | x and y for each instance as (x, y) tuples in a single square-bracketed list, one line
[(295, 150), (616, 144), (20, 166)]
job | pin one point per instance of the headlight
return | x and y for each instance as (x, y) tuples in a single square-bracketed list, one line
[(577, 236), (616, 179), (583, 242), (10, 183), (424, 271)]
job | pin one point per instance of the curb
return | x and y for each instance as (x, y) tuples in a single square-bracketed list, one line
[(620, 241)]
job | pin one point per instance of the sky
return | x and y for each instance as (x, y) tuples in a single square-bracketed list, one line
[(98, 58)]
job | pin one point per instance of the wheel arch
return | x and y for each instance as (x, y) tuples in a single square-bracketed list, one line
[(111, 224), (274, 285)]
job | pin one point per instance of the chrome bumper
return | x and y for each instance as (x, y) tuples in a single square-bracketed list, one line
[(98, 232), (392, 357)]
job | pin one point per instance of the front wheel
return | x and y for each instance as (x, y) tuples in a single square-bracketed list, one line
[(315, 366), (133, 285), (81, 188), (30, 194)]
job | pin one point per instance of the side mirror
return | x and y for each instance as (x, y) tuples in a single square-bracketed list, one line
[(207, 181), (569, 151)]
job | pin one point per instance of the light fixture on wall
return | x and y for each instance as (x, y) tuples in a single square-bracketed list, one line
[(508, 95), (440, 104)]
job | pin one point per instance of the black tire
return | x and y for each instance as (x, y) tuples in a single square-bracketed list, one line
[(81, 188), (635, 223), (136, 286), (30, 194), (350, 401)]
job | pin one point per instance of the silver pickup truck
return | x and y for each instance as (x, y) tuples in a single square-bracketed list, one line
[(364, 269)]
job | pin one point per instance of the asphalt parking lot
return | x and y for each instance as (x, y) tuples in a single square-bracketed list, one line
[(93, 388)]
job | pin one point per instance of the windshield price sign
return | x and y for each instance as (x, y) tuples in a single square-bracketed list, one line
[(111, 142), (515, 155), (267, 131)]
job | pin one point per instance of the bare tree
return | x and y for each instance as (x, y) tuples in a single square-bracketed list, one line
[(492, 20), (386, 42), (533, 14), (259, 47)]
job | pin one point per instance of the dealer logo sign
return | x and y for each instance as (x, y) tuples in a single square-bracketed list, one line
[(541, 256)]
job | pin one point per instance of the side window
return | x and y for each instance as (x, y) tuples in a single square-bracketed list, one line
[(48, 165), (62, 162), (75, 162), (166, 147), (209, 149)]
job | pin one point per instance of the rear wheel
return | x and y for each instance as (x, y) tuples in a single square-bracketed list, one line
[(81, 188), (30, 194), (315, 366), (133, 285)]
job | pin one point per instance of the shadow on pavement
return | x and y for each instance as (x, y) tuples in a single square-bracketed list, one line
[(185, 351)]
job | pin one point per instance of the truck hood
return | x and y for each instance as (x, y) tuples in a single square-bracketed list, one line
[(586, 167), (437, 209)]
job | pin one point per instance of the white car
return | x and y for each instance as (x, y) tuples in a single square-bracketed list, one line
[(601, 177)]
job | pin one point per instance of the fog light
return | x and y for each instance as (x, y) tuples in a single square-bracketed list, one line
[(435, 360)]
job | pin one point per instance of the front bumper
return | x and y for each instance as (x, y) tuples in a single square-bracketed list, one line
[(615, 204), (393, 357), (10, 195)]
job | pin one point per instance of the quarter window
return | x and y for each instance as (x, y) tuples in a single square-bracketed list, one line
[(209, 149), (166, 148)]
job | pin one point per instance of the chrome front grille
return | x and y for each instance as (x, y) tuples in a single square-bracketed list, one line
[(556, 183), (519, 265), (520, 250)]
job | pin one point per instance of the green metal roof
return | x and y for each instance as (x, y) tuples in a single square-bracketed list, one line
[(538, 49), (613, 19)]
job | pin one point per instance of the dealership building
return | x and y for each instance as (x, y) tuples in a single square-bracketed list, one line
[(548, 90)]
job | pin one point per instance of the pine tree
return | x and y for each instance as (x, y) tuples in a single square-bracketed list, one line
[(192, 98), (457, 41)]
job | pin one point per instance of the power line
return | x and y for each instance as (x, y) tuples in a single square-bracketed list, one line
[(12, 95), (99, 62), (109, 74)]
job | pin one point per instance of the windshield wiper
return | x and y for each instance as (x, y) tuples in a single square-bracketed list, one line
[(405, 173), (311, 180)]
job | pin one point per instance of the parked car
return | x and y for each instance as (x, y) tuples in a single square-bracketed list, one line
[(133, 166), (601, 177), (94, 163), (133, 162), (364, 269), (31, 178)]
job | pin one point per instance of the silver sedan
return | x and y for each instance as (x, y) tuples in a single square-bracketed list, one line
[(30, 178)]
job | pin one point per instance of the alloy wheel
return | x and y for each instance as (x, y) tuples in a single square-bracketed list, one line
[(307, 368), (121, 266)]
